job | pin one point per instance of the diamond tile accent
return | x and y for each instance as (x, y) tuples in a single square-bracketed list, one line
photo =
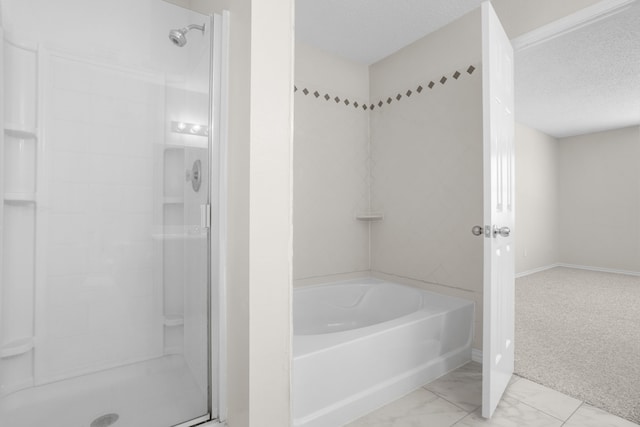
[(456, 75)]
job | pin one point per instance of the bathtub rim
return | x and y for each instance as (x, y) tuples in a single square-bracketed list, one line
[(309, 344)]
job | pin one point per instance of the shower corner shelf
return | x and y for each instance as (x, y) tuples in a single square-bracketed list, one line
[(20, 197), (369, 216), (16, 348), (20, 131), (173, 320), (173, 200)]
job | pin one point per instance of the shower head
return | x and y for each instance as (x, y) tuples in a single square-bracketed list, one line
[(179, 37)]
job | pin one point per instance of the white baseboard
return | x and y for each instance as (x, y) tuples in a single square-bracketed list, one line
[(578, 267), (536, 270), (476, 355), (600, 269)]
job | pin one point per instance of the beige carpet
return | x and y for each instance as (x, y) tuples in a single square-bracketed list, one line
[(578, 332)]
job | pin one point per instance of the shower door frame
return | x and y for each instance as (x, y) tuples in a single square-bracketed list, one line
[(218, 143)]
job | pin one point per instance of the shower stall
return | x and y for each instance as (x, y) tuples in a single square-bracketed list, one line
[(109, 227)]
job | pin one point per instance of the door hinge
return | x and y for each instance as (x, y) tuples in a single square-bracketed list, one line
[(205, 216)]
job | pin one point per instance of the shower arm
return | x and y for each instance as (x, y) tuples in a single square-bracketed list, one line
[(196, 27)]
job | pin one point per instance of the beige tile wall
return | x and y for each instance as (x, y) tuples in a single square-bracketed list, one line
[(331, 175), (426, 154)]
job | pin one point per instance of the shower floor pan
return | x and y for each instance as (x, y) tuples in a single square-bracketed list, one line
[(155, 393)]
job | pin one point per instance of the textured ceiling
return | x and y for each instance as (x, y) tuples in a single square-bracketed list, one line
[(366, 31), (585, 81)]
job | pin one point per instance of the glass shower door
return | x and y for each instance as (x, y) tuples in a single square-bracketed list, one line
[(104, 285)]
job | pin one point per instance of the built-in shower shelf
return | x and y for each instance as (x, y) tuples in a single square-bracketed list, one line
[(174, 146), (369, 216), (176, 200), (173, 320), (178, 236), (16, 348), (19, 131), (20, 197)]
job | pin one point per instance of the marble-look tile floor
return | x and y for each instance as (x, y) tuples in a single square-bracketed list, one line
[(455, 399)]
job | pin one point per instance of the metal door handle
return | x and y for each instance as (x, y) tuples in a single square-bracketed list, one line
[(503, 231), (477, 230)]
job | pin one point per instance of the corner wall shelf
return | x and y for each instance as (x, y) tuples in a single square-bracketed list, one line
[(19, 131), (369, 216), (20, 197), (173, 320), (16, 348), (173, 200)]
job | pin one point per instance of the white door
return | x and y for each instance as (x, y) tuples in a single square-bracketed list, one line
[(497, 69)]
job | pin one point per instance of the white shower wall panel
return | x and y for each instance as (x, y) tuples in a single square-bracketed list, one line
[(100, 305), (18, 272)]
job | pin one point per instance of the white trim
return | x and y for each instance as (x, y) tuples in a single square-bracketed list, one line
[(600, 269), (476, 355), (222, 206), (586, 16), (197, 421), (578, 267), (536, 270)]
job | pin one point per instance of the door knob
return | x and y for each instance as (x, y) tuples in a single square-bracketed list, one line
[(477, 230), (503, 231)]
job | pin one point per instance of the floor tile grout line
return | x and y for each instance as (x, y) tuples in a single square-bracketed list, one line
[(453, 403), (544, 412), (574, 412)]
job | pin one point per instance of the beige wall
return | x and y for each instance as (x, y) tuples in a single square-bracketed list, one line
[(426, 154), (578, 200), (536, 234), (600, 199), (331, 175)]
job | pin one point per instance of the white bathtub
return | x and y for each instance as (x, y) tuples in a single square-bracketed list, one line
[(362, 343)]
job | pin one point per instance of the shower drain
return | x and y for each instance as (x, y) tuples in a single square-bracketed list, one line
[(105, 420)]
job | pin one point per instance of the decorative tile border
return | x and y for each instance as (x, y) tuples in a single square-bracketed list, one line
[(372, 106)]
